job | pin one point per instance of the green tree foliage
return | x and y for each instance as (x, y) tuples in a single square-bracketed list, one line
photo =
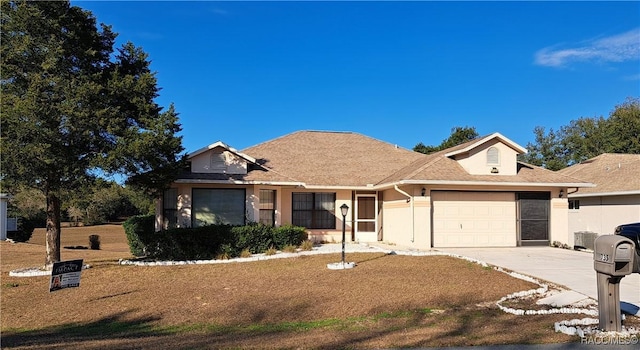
[(586, 138), (459, 135), (73, 108), (548, 151)]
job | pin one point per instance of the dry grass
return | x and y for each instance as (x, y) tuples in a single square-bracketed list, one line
[(386, 301)]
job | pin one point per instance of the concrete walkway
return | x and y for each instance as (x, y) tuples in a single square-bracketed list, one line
[(569, 268)]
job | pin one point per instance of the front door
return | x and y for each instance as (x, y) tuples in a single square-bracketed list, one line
[(533, 218), (366, 217)]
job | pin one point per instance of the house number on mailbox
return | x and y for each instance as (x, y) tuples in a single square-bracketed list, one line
[(604, 257)]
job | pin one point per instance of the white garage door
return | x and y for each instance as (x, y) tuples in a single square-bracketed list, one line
[(474, 219)]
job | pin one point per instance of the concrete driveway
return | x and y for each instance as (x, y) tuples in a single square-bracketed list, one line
[(569, 268)]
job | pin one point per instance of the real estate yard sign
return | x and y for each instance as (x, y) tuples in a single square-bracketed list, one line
[(65, 274)]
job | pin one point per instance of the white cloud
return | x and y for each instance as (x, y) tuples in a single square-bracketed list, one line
[(616, 48)]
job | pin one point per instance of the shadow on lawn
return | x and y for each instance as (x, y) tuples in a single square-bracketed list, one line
[(459, 326), (115, 326)]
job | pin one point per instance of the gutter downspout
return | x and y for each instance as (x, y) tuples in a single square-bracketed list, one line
[(413, 221)]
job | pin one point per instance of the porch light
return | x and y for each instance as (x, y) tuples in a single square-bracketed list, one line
[(423, 192), (344, 208), (561, 194)]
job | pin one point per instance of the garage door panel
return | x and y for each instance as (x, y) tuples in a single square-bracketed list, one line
[(474, 219)]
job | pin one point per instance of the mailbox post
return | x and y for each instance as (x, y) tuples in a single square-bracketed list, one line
[(613, 258)]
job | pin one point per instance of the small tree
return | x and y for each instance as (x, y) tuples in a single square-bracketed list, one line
[(75, 214)]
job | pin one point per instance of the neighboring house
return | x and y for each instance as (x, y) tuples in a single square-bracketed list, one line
[(4, 202), (473, 195), (614, 201)]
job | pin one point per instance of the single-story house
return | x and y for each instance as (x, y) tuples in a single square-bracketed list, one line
[(476, 194), (614, 201)]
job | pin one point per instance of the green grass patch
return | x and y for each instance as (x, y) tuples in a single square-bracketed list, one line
[(146, 327)]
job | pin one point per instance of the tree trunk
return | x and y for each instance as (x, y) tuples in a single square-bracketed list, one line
[(53, 230)]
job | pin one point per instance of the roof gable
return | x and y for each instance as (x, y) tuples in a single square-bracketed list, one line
[(448, 167), (220, 144), (469, 146)]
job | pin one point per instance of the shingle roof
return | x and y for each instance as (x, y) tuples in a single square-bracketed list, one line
[(347, 159), (332, 158), (610, 172), (438, 167)]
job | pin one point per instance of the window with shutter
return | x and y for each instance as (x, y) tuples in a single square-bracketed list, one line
[(493, 156)]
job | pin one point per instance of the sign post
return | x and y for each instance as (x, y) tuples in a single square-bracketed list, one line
[(65, 274)]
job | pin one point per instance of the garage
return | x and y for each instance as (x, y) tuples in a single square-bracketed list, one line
[(473, 219)]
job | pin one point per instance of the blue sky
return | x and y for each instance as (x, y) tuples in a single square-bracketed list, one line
[(402, 72)]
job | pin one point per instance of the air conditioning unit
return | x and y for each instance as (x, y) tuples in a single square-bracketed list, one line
[(584, 240)]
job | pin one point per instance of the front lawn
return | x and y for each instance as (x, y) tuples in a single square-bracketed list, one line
[(386, 301)]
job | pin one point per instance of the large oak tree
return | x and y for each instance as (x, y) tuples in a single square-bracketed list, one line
[(74, 108)]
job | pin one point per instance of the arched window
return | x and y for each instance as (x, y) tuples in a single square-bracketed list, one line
[(493, 156)]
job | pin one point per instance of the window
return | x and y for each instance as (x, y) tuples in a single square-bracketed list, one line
[(170, 208), (268, 207), (218, 206), (493, 156), (218, 161), (574, 204), (314, 210)]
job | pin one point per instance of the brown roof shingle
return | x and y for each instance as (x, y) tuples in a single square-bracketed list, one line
[(610, 172), (332, 158), (326, 159)]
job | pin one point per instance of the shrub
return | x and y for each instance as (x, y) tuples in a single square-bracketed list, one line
[(290, 248), (94, 242), (307, 245), (140, 233), (24, 230), (255, 237), (245, 253), (271, 251), (289, 235), (208, 242)]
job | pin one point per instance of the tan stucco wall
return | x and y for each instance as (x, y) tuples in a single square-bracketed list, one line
[(476, 162), (399, 228), (559, 221), (603, 214), (407, 223)]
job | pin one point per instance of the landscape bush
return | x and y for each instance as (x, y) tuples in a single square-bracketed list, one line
[(24, 230), (255, 237), (140, 233), (207, 242), (94, 242), (289, 235)]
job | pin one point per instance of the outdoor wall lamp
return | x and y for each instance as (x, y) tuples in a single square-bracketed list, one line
[(423, 192), (561, 194), (344, 209)]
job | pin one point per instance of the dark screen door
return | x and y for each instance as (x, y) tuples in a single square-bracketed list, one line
[(533, 218)]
